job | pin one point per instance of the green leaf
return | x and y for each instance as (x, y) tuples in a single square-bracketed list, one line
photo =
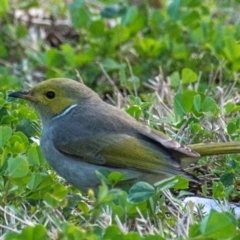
[(175, 79), (36, 180), (115, 177), (209, 106), (231, 49), (187, 100), (227, 179), (112, 11), (194, 231), (84, 208), (140, 192), (148, 47), (178, 106), (132, 236), (4, 7), (21, 31), (54, 201), (18, 142), (37, 232), (54, 58), (68, 54), (35, 156), (134, 111), (129, 16), (103, 174), (182, 183), (5, 135), (231, 128), (197, 102), (166, 183), (218, 226), (173, 9), (229, 107), (17, 167), (218, 190), (188, 76), (97, 28), (79, 13), (133, 82), (112, 232), (110, 65)]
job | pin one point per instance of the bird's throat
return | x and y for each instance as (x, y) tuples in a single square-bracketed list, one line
[(66, 111)]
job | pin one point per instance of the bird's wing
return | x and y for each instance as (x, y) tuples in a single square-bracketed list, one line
[(167, 142), (123, 151)]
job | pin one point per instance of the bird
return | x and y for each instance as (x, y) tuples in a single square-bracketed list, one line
[(82, 134)]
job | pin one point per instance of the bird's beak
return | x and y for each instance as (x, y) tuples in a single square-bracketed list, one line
[(22, 94)]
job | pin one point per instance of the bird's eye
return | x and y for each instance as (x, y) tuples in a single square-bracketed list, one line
[(50, 94)]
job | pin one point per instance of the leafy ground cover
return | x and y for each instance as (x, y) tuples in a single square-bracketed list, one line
[(170, 64)]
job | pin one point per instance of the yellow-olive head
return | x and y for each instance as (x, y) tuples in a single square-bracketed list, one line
[(51, 97)]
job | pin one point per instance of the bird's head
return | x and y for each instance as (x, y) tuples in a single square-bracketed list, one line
[(52, 97)]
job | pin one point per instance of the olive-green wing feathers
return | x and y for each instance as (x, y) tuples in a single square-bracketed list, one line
[(125, 151)]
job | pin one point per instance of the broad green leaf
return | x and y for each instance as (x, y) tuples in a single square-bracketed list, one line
[(37, 232), (4, 7), (218, 190), (5, 135), (153, 237), (110, 64), (148, 46), (188, 76), (166, 183), (18, 142), (36, 180), (103, 174), (17, 167), (231, 128), (231, 49), (218, 226), (173, 9), (132, 236), (113, 232), (182, 183), (195, 128), (133, 82), (53, 201), (115, 177), (84, 208), (79, 13), (97, 28), (209, 106), (187, 100), (180, 51), (197, 102), (134, 111), (54, 58), (69, 54), (129, 16), (194, 230), (112, 11), (178, 106), (175, 79), (21, 31), (227, 179), (140, 192), (60, 191), (35, 156), (229, 107)]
